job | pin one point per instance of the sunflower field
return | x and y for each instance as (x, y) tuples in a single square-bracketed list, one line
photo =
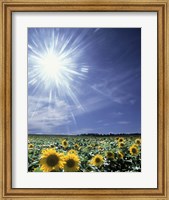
[(84, 153)]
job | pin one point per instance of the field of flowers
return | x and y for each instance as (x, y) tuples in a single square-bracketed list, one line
[(84, 153)]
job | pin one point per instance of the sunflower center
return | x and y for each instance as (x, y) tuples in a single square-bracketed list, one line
[(53, 170), (97, 160), (120, 156), (134, 150), (109, 154), (121, 140), (70, 163), (52, 160), (65, 143)]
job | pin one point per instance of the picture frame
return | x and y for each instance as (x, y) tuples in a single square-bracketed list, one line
[(7, 7)]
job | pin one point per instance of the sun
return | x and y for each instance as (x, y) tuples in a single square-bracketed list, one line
[(53, 69), (51, 65)]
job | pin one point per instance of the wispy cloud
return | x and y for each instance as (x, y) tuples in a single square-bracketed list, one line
[(114, 88), (118, 113), (100, 121), (132, 101), (123, 122), (51, 116), (106, 124), (86, 130)]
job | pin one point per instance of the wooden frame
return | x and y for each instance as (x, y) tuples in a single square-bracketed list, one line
[(9, 6)]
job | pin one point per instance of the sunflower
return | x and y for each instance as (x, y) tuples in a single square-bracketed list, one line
[(64, 144), (97, 160), (72, 163), (133, 150), (76, 146), (120, 155), (30, 146), (72, 151), (121, 139), (51, 160), (100, 148), (138, 141), (121, 144), (109, 155)]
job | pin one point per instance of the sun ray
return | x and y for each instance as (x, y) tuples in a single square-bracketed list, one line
[(53, 63)]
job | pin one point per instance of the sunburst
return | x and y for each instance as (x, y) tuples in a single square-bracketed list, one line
[(55, 64)]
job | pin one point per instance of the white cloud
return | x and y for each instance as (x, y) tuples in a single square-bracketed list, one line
[(43, 117)]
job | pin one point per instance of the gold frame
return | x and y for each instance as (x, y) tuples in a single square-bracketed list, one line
[(6, 9)]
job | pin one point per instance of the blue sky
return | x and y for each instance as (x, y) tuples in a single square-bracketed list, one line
[(84, 80)]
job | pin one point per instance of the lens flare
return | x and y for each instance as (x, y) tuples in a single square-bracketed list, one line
[(56, 63)]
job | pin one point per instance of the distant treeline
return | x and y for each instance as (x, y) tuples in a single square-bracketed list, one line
[(91, 134)]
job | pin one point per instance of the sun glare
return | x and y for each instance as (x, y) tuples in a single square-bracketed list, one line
[(51, 65)]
